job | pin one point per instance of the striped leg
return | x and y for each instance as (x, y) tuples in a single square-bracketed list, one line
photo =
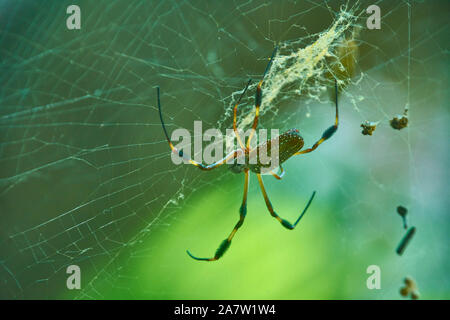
[(180, 153), (227, 242), (330, 131), (258, 99), (283, 222), (276, 175), (235, 116)]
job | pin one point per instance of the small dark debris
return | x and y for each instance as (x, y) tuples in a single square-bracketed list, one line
[(402, 211), (405, 240), (368, 127), (399, 122), (410, 288)]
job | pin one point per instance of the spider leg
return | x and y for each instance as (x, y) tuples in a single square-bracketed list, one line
[(227, 242), (283, 222), (235, 116), (330, 131), (258, 98), (276, 175), (232, 155)]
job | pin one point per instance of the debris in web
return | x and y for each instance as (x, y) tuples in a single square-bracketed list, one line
[(368, 127), (400, 121), (405, 240), (410, 289), (309, 70), (402, 211)]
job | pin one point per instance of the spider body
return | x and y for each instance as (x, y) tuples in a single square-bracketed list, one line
[(289, 143)]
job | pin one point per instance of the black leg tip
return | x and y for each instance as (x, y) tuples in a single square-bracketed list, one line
[(329, 132), (195, 258), (287, 224)]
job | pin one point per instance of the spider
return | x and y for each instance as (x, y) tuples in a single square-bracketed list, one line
[(290, 144)]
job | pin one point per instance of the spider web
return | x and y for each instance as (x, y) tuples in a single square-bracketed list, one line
[(86, 176)]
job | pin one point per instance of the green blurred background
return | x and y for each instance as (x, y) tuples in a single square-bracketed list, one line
[(86, 176)]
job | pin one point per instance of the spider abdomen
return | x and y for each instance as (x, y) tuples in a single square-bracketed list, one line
[(289, 143)]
